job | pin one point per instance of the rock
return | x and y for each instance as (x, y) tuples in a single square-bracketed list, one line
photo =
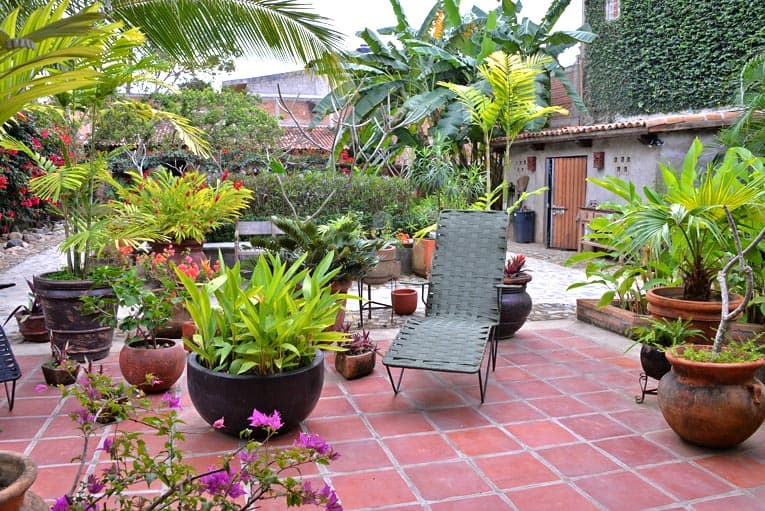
[(14, 242), (31, 236), (15, 235)]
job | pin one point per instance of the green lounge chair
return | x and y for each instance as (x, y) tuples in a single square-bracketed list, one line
[(462, 307)]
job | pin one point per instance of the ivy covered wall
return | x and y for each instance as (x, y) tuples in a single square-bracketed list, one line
[(668, 55)]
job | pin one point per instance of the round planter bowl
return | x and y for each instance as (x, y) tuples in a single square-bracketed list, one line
[(32, 327), (709, 404), (668, 302), (59, 376), (293, 393), (165, 364), (17, 473), (404, 301)]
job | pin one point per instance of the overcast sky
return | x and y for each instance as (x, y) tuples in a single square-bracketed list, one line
[(351, 16)]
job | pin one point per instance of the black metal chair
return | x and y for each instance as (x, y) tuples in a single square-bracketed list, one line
[(9, 368), (462, 307)]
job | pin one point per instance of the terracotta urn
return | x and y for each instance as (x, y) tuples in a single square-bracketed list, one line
[(712, 404), (165, 363), (404, 301), (17, 474)]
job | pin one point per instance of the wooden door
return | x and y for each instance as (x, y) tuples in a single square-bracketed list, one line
[(567, 181)]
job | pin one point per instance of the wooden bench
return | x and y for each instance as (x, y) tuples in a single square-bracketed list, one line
[(252, 228)]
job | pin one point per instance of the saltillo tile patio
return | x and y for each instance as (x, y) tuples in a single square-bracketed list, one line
[(560, 429)]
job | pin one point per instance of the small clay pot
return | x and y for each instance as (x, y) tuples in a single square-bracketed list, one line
[(32, 327), (404, 301), (355, 366), (59, 376), (165, 363)]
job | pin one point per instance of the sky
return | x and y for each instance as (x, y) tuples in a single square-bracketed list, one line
[(351, 16)]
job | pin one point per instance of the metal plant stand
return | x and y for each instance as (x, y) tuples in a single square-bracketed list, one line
[(643, 379)]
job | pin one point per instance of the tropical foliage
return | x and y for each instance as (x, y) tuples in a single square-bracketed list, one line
[(749, 130)]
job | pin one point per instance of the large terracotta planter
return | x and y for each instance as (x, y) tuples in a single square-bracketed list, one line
[(69, 326), (165, 363), (387, 268), (668, 303), (711, 404), (293, 393), (17, 473), (611, 317), (355, 366), (422, 256), (515, 306)]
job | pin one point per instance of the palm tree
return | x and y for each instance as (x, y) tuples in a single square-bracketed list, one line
[(33, 47), (195, 31), (749, 130), (511, 103)]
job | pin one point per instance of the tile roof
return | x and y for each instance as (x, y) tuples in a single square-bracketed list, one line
[(653, 124), (294, 140)]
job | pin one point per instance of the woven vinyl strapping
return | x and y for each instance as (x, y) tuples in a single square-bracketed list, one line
[(462, 299)]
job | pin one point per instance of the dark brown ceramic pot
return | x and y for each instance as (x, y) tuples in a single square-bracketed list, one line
[(54, 375), (515, 306), (355, 366), (165, 362), (32, 327), (712, 404), (668, 302)]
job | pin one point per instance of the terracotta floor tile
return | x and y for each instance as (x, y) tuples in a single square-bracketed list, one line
[(509, 471), (741, 471), (372, 384), (510, 373), (528, 358), (20, 428), (360, 455), (373, 488), (635, 451), (588, 366), (532, 388), (577, 384), (438, 481), (483, 441), (515, 411), (578, 460), (610, 401), (374, 403), (337, 429), (57, 451), (412, 449), (486, 502), (456, 418), (641, 421), (620, 380), (549, 370), (201, 440), (737, 502), (39, 406), (559, 334), (685, 480), (561, 406), (393, 424), (434, 397), (673, 443), (595, 426), (551, 498), (623, 491), (53, 482), (540, 433), (333, 407)]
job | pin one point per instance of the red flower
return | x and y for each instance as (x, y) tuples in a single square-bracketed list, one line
[(44, 133), (36, 143), (3, 182), (238, 185)]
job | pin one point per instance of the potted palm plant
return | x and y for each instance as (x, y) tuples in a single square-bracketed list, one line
[(688, 223), (259, 342), (75, 183), (711, 396)]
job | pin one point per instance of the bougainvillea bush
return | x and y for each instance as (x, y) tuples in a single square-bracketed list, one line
[(19, 208)]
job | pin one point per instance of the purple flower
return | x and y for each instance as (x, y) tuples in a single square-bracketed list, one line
[(247, 457), (312, 441), (235, 491), (94, 485), (219, 424), (216, 482), (309, 497), (332, 504), (272, 422), (83, 416), (171, 401), (40, 387), (61, 504), (107, 445)]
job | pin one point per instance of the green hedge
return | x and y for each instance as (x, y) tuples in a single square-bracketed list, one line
[(381, 202), (669, 56)]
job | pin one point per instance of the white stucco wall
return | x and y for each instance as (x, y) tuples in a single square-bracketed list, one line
[(625, 157)]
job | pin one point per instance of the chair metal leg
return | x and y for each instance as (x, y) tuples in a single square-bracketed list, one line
[(396, 386), (12, 396)]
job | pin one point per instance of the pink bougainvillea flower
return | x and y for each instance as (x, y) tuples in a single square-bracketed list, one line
[(171, 401), (219, 424), (41, 387), (259, 419)]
